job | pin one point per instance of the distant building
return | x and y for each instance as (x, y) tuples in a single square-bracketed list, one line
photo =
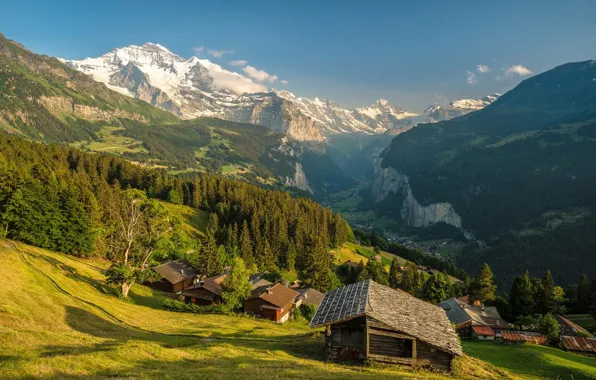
[(205, 292), (177, 275), (579, 345), (524, 337), (367, 320), (464, 316), (310, 296), (274, 302), (569, 328), (377, 258)]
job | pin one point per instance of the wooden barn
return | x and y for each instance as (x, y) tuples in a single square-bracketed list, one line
[(177, 276), (367, 320), (274, 302), (205, 292)]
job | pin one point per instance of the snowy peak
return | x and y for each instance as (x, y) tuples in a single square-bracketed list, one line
[(437, 112)]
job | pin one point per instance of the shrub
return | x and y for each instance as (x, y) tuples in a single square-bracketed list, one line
[(306, 312), (175, 305)]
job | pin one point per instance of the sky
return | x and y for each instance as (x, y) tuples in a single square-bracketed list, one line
[(412, 53)]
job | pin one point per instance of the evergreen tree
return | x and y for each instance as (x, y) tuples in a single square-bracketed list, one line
[(317, 274), (175, 197), (374, 270), (544, 294), (521, 297), (246, 251), (410, 280), (394, 274), (482, 288), (584, 295), (209, 263), (437, 288), (267, 259)]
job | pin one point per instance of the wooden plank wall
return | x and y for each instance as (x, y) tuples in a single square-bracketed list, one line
[(347, 340)]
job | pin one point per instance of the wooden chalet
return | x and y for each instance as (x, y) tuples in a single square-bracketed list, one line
[(177, 276), (367, 320), (466, 316), (274, 302), (205, 292)]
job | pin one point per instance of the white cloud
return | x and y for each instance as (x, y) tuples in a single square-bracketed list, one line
[(471, 78), (518, 70), (482, 68), (219, 53), (284, 81), (237, 62), (237, 83), (259, 75), (198, 49)]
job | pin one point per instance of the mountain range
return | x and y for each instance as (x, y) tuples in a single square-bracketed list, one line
[(194, 87), (518, 175)]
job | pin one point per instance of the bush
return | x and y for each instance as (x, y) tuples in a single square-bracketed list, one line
[(174, 305), (306, 312)]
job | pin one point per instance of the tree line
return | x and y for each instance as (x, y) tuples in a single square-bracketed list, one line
[(86, 204)]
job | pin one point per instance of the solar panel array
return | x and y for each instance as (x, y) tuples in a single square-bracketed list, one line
[(342, 304)]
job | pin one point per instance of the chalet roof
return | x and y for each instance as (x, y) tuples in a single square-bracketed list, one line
[(311, 296), (578, 343), (483, 330), (395, 308), (460, 312), (524, 336), (569, 328), (212, 284), (277, 294), (176, 271)]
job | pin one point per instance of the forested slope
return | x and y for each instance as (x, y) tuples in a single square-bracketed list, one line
[(520, 173)]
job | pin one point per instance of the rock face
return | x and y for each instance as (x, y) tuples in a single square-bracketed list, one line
[(299, 181), (389, 181)]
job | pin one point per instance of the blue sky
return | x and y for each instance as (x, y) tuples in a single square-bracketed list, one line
[(413, 53)]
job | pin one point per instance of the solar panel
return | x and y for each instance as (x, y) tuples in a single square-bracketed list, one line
[(342, 304)]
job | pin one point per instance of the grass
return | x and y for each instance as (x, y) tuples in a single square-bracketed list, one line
[(58, 320), (193, 221), (532, 361), (113, 143)]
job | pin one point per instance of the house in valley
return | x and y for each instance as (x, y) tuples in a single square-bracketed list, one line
[(274, 302), (524, 337), (579, 345), (367, 320), (177, 276), (205, 292), (465, 316)]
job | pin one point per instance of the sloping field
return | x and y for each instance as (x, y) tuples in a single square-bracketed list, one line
[(58, 320)]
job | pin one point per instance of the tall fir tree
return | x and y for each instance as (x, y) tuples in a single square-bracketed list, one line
[(394, 274), (482, 288), (246, 251), (521, 297)]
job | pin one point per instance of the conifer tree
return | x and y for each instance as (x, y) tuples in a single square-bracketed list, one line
[(267, 259), (437, 289), (482, 288), (544, 294), (246, 251), (394, 274), (521, 297), (236, 287)]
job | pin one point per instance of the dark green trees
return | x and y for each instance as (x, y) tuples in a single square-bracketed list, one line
[(482, 288)]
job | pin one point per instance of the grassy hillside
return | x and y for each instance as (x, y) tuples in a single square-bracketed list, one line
[(59, 320)]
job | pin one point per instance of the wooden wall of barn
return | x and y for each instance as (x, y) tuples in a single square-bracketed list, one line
[(346, 340), (427, 355)]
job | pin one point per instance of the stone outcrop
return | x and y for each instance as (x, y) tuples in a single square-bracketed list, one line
[(389, 181), (59, 105), (299, 181)]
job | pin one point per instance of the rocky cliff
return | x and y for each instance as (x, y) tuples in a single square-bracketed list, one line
[(390, 184)]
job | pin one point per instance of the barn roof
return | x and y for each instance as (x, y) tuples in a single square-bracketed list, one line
[(524, 336), (483, 330), (212, 284), (578, 343), (396, 308), (459, 311), (569, 328), (176, 271)]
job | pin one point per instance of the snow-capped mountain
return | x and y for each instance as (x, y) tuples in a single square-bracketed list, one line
[(438, 112), (196, 87)]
